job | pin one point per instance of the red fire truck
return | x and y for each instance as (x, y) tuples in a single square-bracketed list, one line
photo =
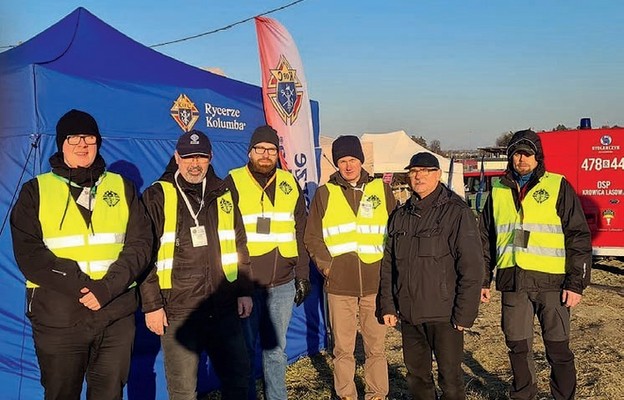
[(592, 160)]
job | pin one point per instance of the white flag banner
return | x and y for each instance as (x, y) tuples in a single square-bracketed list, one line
[(286, 102)]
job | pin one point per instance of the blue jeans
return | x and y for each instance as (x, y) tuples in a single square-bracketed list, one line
[(272, 309), (222, 339)]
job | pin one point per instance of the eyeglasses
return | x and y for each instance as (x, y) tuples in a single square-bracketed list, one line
[(422, 171), (261, 150), (75, 139)]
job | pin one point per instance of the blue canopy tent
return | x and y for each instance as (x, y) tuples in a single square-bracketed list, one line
[(142, 101)]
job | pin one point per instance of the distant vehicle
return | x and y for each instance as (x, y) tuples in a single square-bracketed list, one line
[(592, 160), (472, 184)]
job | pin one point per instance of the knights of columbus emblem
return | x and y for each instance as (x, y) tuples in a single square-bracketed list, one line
[(541, 196), (285, 187), (111, 198), (285, 91), (375, 201), (184, 112), (225, 205)]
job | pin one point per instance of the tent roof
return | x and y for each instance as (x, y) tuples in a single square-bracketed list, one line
[(112, 55), (392, 152)]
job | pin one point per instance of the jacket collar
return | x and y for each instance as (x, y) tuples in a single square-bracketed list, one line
[(439, 196), (337, 179)]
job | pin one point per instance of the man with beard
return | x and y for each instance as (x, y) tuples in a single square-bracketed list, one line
[(274, 214), (81, 238), (199, 288), (535, 235)]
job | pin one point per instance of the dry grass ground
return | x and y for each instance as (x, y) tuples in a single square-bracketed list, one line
[(597, 342)]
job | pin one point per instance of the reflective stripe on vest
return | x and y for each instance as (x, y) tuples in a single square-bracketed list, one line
[(164, 259), (545, 250), (227, 236), (96, 250), (344, 232), (282, 226)]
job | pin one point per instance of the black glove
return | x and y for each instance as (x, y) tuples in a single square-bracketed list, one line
[(302, 288)]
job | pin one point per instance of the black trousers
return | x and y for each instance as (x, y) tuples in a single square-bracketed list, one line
[(518, 313), (101, 351), (447, 343)]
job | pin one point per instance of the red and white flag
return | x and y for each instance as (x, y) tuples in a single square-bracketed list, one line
[(286, 101)]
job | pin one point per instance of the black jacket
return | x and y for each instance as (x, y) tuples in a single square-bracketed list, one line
[(198, 281), (55, 303), (431, 270), (577, 244), (271, 269)]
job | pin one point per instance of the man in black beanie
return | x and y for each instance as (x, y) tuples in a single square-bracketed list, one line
[(345, 238), (76, 121), (81, 238), (274, 213)]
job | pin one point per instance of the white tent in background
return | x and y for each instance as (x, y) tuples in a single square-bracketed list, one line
[(392, 152)]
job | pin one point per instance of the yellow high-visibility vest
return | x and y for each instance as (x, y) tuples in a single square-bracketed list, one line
[(545, 249), (364, 233), (94, 250), (281, 214), (225, 227)]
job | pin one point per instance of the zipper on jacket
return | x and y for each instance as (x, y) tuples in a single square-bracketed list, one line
[(30, 301), (329, 272), (357, 210), (360, 273), (275, 251)]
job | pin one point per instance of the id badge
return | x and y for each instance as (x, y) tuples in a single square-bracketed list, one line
[(366, 209), (263, 225), (198, 236), (83, 199), (521, 238)]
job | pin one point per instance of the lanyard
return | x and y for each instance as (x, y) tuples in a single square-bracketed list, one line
[(262, 188), (92, 189), (186, 200)]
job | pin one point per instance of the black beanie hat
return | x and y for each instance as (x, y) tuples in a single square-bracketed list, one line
[(347, 146), (264, 133), (76, 122)]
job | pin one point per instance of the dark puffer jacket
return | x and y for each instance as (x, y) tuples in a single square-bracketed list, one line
[(198, 280), (575, 229), (431, 270)]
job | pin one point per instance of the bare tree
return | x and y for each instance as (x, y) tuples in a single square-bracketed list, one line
[(420, 140), (435, 146), (503, 139), (560, 127)]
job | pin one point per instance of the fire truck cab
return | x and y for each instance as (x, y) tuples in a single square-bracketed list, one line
[(592, 160)]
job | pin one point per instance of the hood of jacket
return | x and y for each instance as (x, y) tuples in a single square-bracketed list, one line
[(439, 196), (85, 177), (525, 137)]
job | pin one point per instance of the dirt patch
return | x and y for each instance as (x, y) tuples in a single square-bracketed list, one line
[(596, 339)]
